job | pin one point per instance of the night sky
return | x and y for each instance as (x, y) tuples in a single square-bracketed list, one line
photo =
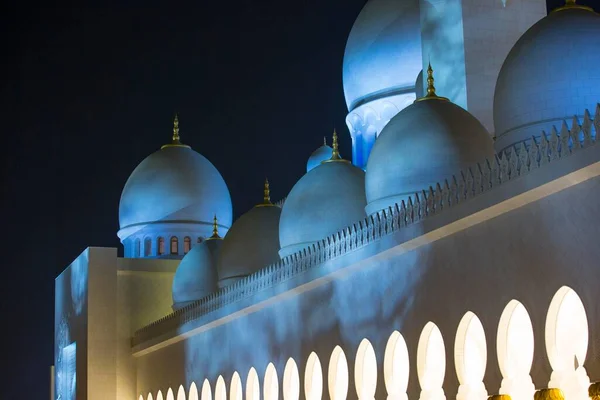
[(89, 90)]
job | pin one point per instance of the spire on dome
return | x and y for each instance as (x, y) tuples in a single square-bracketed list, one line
[(572, 4), (175, 141), (324, 140), (335, 154), (215, 234), (431, 95), (266, 196)]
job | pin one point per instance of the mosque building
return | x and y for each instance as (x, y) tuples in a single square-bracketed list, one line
[(453, 256)]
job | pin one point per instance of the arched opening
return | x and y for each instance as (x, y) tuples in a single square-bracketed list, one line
[(431, 362), (141, 397), (150, 396), (396, 367), (365, 371), (271, 383), (515, 351), (147, 247), (206, 393), (220, 390), (187, 244), (181, 393), (193, 395), (291, 381), (252, 385), (159, 395), (567, 339), (161, 246), (470, 358), (338, 375), (136, 247), (235, 389), (174, 245), (313, 378), (170, 394)]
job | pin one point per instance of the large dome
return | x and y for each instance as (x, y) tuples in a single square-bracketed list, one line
[(174, 185), (196, 275), (551, 74), (383, 52), (424, 144), (327, 199), (321, 154), (252, 243)]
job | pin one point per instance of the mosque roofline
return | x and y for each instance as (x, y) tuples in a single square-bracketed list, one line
[(502, 172)]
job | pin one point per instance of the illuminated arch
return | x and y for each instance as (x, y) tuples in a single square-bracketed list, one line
[(313, 378), (136, 250), (141, 397), (206, 393), (365, 371), (193, 394), (220, 389), (170, 394), (187, 244), (470, 358), (150, 396), (396, 367), (291, 381), (181, 393), (431, 362), (235, 389), (174, 246), (271, 383), (514, 346), (567, 340), (252, 385), (147, 247), (161, 246), (338, 375), (159, 395)]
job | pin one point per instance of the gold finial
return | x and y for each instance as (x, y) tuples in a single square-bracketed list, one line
[(594, 391), (335, 153), (266, 195), (431, 95), (175, 141), (572, 4), (215, 234), (549, 394), (499, 397)]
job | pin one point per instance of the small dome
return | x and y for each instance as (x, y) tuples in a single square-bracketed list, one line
[(383, 52), (321, 154), (327, 199), (550, 74), (196, 275), (252, 243), (427, 142), (174, 184)]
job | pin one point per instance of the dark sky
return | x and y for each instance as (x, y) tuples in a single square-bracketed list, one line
[(89, 90)]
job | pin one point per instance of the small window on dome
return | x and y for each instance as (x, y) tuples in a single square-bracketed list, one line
[(161, 246), (136, 248), (187, 244), (174, 245), (147, 247)]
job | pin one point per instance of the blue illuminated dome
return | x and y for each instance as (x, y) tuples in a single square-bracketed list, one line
[(252, 243), (196, 275), (551, 74), (383, 52), (321, 154), (327, 199), (174, 192), (424, 144)]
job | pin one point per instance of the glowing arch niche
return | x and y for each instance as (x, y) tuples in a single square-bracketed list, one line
[(159, 395), (220, 389), (365, 371), (567, 339), (271, 383), (514, 345), (470, 358), (206, 393), (170, 395), (313, 378), (338, 375), (396, 367), (235, 389), (252, 385), (431, 363), (193, 394), (181, 393), (291, 381)]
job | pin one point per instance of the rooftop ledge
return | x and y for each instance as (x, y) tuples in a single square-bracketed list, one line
[(519, 176)]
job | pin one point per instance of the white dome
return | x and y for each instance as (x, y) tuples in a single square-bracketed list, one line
[(422, 145), (196, 275), (550, 75), (174, 185), (321, 154), (383, 52), (327, 199)]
